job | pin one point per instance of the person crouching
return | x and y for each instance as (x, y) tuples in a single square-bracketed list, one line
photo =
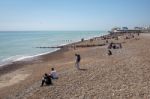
[(46, 80)]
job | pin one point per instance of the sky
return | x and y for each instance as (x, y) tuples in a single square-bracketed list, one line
[(20, 15)]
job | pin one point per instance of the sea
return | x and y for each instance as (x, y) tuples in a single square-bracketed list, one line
[(22, 45)]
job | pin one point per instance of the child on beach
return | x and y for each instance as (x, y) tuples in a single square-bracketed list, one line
[(46, 79), (53, 74), (78, 58)]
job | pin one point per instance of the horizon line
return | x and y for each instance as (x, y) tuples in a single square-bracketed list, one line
[(45, 30)]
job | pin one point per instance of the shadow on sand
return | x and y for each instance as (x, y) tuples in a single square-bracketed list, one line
[(83, 69)]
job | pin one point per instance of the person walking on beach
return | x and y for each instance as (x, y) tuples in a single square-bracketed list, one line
[(78, 58)]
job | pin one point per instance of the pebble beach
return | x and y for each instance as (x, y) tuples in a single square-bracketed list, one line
[(123, 75)]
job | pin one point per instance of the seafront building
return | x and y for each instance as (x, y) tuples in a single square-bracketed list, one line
[(127, 30)]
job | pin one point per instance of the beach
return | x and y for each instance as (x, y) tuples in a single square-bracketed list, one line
[(123, 75)]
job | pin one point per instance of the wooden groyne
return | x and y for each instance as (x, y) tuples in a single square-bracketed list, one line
[(50, 47), (93, 45), (72, 46)]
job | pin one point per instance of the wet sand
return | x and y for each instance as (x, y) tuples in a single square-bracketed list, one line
[(124, 75)]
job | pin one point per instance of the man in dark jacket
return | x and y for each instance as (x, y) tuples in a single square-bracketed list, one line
[(78, 58), (46, 79)]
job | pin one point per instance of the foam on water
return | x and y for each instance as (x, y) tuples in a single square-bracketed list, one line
[(16, 58)]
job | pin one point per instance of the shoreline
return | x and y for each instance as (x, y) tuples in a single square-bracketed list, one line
[(9, 61), (14, 65), (19, 64), (25, 58), (98, 69)]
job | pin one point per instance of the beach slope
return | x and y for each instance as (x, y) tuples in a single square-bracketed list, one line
[(123, 75)]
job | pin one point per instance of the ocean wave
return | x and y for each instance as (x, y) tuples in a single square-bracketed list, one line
[(17, 58), (22, 44)]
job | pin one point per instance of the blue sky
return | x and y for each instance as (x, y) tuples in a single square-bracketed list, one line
[(72, 14)]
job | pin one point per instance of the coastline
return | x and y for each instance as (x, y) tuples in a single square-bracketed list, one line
[(99, 71), (19, 63), (21, 57)]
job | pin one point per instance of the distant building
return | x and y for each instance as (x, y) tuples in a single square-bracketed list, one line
[(115, 29), (124, 28), (138, 28), (148, 27)]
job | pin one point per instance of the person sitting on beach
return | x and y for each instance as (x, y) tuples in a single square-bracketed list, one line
[(106, 41), (46, 79), (54, 74), (78, 58), (120, 45), (109, 52), (114, 46)]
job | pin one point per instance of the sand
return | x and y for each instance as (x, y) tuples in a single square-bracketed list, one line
[(9, 80), (124, 75)]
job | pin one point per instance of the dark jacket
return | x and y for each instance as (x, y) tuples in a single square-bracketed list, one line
[(78, 58)]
